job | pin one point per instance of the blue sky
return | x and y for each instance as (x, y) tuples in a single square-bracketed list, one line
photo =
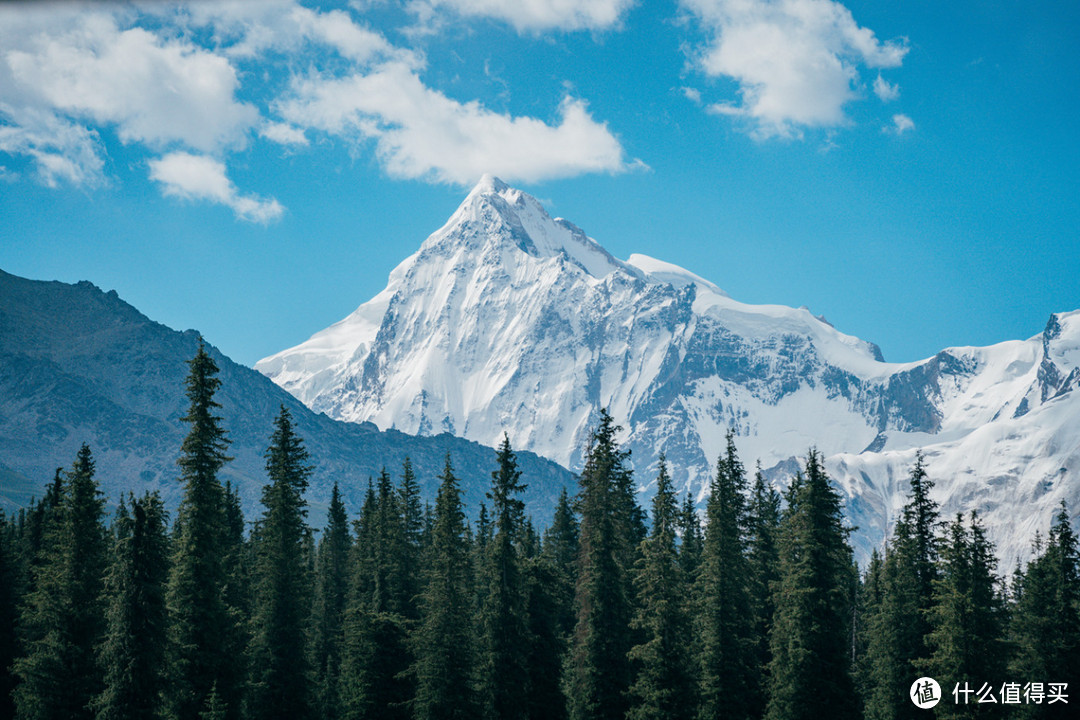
[(256, 169)]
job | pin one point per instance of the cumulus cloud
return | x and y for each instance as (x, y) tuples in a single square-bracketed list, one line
[(68, 69), (169, 78), (198, 177), (532, 15), (421, 133), (796, 61)]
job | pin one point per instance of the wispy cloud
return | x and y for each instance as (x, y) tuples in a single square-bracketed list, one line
[(796, 61), (198, 177)]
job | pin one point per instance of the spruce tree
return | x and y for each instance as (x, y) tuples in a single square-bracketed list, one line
[(763, 559), (560, 549), (664, 687), (133, 651), (280, 682), (60, 674), (9, 603), (412, 520), (545, 595), (331, 591), (1045, 627), (966, 620), (444, 646), (691, 539), (504, 626), (201, 654), (599, 673), (900, 624), (810, 669), (727, 659), (376, 652)]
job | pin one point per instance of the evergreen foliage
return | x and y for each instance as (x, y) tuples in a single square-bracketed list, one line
[(504, 625), (133, 651), (965, 641), (280, 682), (444, 645), (376, 651), (728, 658), (202, 626), (60, 674), (664, 687), (763, 559), (331, 591), (900, 623), (1045, 624), (810, 669), (599, 672), (9, 603), (560, 550)]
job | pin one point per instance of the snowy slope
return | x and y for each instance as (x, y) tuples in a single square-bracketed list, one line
[(509, 320)]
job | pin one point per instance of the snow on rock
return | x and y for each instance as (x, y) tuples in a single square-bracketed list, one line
[(509, 320)]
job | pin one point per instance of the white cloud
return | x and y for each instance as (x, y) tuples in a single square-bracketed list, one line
[(283, 133), (248, 29), (532, 15), (901, 124), (198, 177), (796, 61), (421, 133), (885, 90), (65, 69), (155, 91), (62, 151)]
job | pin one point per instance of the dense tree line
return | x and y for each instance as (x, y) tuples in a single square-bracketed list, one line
[(410, 611)]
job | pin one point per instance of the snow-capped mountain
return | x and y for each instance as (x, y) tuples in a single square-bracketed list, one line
[(509, 320)]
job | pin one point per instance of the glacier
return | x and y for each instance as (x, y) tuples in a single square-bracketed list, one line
[(509, 320)]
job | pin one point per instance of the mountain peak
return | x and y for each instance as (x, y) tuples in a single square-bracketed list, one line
[(489, 184), (494, 212)]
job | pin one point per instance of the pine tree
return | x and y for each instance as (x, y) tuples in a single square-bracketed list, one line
[(691, 539), (133, 651), (9, 602), (412, 519), (965, 641), (899, 626), (504, 627), (60, 674), (664, 687), (376, 653), (599, 672), (1045, 625), (727, 660), (202, 627), (810, 673), (560, 549), (280, 683), (763, 558), (331, 591), (444, 646), (545, 595)]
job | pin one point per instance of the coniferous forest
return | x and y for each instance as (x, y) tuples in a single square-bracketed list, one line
[(753, 609)]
